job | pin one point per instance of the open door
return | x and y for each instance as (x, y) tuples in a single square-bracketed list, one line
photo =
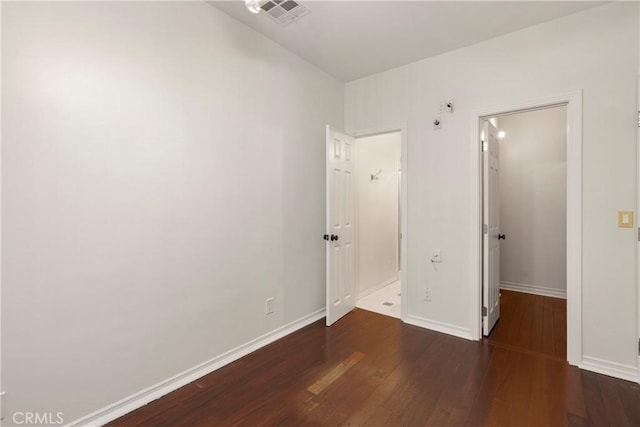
[(491, 229), (340, 234)]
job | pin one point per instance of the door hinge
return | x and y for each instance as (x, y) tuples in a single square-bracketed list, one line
[(2, 404), (485, 146), (638, 346), (638, 234), (485, 228), (639, 118), (484, 311)]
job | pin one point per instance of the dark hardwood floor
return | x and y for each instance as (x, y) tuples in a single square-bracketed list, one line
[(368, 369), (532, 322)]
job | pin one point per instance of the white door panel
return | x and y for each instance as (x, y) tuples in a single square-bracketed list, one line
[(491, 236), (340, 243)]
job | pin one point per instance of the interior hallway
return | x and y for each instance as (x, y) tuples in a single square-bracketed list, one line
[(369, 369)]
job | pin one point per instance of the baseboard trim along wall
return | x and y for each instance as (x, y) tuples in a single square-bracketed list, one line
[(612, 369), (533, 289), (377, 287), (141, 398), (593, 364), (434, 325)]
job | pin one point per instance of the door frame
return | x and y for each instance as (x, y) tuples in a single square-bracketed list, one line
[(637, 225), (2, 391), (573, 102), (380, 130)]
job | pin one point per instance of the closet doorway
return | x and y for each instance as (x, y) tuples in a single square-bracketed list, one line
[(488, 274), (525, 183)]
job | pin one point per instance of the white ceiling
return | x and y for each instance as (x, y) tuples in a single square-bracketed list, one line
[(353, 39)]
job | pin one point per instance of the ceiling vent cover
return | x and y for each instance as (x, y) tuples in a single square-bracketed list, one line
[(284, 11)]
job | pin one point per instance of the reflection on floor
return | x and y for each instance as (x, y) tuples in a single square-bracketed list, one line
[(373, 370), (384, 301), (532, 322)]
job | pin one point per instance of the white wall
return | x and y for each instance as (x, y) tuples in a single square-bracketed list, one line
[(378, 211), (595, 51), (533, 201), (163, 175)]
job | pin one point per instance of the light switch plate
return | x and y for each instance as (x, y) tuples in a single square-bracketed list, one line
[(625, 219)]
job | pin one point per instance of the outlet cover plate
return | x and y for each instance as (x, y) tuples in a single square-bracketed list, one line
[(268, 306)]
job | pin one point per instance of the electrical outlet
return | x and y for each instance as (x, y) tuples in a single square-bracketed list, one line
[(268, 306), (427, 294)]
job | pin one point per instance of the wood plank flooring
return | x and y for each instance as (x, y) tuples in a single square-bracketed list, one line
[(376, 371), (532, 322)]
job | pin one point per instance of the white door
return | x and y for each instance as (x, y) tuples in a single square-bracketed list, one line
[(491, 229), (340, 228)]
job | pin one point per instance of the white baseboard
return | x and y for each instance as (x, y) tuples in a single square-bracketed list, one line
[(377, 287), (141, 398), (434, 325), (612, 369), (533, 289)]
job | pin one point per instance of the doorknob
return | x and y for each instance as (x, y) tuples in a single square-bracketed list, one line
[(334, 237), (501, 236), (326, 237)]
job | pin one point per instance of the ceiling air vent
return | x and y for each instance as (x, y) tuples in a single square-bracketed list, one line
[(284, 11)]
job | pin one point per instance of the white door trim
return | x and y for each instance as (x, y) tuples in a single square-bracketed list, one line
[(2, 392), (638, 226), (573, 101), (402, 128)]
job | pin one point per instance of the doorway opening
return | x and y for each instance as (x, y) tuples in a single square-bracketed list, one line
[(525, 243), (366, 220), (378, 218), (528, 245)]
